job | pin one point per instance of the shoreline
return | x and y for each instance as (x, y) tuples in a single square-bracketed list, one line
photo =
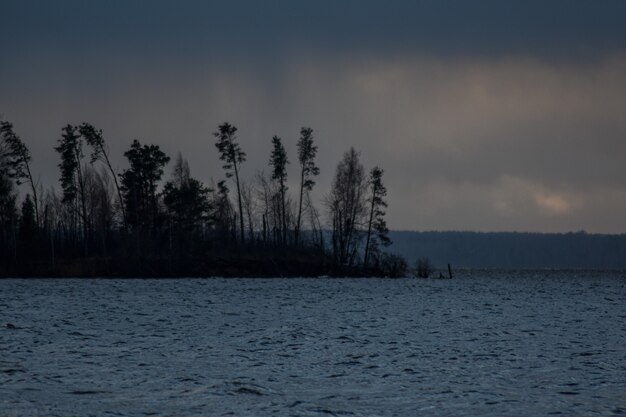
[(136, 268)]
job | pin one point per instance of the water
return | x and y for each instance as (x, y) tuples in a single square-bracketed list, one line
[(482, 344)]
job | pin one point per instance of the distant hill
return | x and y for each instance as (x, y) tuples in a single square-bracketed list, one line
[(512, 250)]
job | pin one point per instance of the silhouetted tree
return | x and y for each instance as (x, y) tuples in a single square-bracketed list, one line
[(200, 223), (8, 215), (347, 207), (181, 173), (186, 200), (28, 228), (376, 221), (20, 161), (306, 156), (231, 153), (278, 162), (249, 207), (100, 152), (70, 147), (8, 209), (139, 185), (223, 212), (266, 189), (316, 224), (100, 197)]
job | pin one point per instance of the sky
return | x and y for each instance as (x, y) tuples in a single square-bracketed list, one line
[(485, 115)]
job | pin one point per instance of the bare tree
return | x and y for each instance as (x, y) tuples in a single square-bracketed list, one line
[(265, 191), (100, 152), (223, 210), (249, 207), (99, 192), (316, 224), (347, 207)]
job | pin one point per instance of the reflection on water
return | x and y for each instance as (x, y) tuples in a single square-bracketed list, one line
[(483, 344)]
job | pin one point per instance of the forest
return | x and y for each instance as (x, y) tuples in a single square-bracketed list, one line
[(137, 223)]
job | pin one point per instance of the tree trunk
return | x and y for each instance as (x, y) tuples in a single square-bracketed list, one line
[(240, 204), (264, 229), (284, 213), (81, 185), (34, 189), (297, 234), (369, 229), (117, 187), (352, 225)]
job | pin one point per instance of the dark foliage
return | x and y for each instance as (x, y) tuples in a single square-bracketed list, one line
[(392, 265), (230, 152), (18, 159), (70, 148), (308, 170), (188, 207), (139, 185), (141, 227), (278, 163), (376, 222)]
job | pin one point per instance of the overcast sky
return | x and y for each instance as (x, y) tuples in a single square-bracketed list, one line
[(485, 115)]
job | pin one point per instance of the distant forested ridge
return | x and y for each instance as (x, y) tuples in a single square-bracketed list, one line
[(143, 222), (513, 250)]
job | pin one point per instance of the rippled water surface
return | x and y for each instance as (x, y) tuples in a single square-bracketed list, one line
[(482, 344)]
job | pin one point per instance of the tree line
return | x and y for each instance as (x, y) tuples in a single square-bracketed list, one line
[(108, 219), (513, 250)]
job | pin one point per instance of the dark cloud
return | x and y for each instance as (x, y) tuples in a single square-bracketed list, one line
[(565, 28), (487, 115)]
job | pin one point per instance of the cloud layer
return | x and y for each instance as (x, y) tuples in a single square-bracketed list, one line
[(487, 133)]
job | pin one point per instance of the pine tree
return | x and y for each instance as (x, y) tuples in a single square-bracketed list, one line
[(139, 184), (278, 162), (70, 147), (306, 156), (376, 222), (186, 200), (231, 153)]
